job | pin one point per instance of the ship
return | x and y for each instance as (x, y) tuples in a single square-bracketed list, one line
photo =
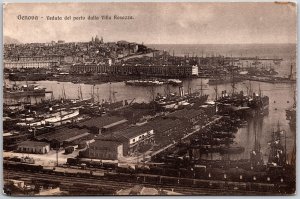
[(24, 76), (54, 119), (291, 79), (174, 82), (144, 82), (174, 101), (291, 114), (256, 156), (278, 154), (153, 82), (222, 80), (24, 91), (243, 104), (246, 104)]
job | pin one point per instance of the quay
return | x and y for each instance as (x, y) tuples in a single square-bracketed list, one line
[(186, 136), (260, 59)]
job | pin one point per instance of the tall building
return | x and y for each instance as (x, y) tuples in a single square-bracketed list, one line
[(97, 39)]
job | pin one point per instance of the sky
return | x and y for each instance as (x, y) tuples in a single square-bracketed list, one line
[(155, 23)]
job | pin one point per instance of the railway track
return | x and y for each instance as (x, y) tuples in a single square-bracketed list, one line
[(117, 185)]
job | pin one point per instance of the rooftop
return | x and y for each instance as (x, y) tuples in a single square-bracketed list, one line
[(33, 144), (164, 124), (133, 131), (126, 134), (64, 134), (107, 143), (186, 113), (104, 121)]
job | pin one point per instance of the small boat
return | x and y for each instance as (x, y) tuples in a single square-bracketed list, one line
[(174, 82)]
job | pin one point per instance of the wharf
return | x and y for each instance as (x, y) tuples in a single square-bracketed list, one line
[(186, 136), (259, 59), (272, 81)]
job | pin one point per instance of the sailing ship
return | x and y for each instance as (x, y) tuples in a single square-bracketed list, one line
[(291, 114), (174, 101), (278, 154), (245, 104)]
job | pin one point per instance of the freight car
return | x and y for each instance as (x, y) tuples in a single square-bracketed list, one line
[(22, 166), (227, 182), (91, 163), (69, 150)]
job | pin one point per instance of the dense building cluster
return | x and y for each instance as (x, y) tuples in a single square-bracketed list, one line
[(96, 51), (117, 140)]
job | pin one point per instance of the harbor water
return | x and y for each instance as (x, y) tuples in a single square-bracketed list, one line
[(281, 98)]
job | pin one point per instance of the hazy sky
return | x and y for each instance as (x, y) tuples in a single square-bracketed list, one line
[(157, 23)]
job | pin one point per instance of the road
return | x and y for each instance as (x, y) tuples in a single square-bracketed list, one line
[(48, 159)]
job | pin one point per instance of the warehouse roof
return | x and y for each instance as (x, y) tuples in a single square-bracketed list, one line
[(64, 134), (124, 135), (104, 121), (33, 144), (77, 137), (162, 124), (106, 143), (134, 131), (116, 123), (186, 113)]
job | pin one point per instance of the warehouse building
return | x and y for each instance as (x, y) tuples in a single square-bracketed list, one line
[(104, 124), (137, 69), (167, 130), (136, 137), (121, 143), (65, 137), (33, 147), (192, 116), (107, 149)]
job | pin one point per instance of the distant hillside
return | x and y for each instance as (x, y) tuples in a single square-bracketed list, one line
[(9, 40)]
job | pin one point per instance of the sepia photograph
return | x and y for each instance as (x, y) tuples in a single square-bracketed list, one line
[(149, 98)]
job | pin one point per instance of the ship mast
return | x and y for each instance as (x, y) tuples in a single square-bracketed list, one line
[(256, 156), (152, 93), (92, 93), (52, 96), (98, 97), (201, 88), (167, 90), (259, 90), (216, 99), (110, 94), (78, 93), (81, 93), (285, 147), (189, 87), (233, 80)]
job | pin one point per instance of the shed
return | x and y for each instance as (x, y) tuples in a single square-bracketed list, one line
[(103, 124), (33, 147)]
